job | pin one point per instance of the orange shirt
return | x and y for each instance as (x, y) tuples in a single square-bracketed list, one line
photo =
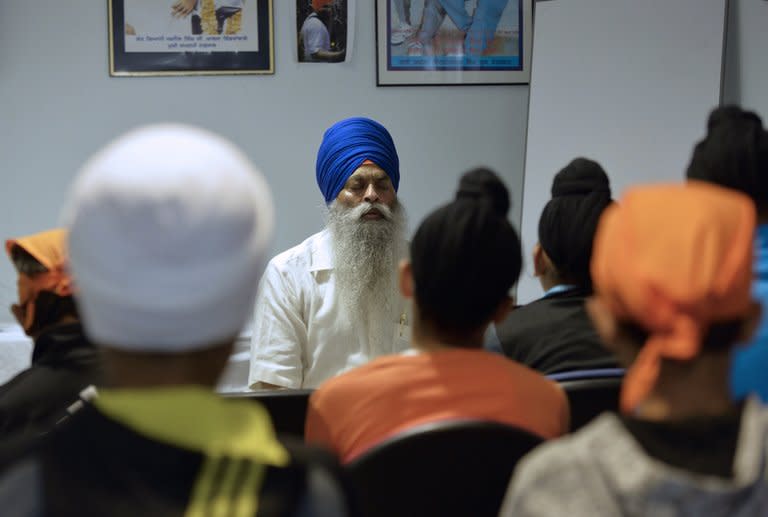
[(360, 408)]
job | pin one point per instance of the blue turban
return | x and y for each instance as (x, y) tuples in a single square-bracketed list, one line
[(346, 145)]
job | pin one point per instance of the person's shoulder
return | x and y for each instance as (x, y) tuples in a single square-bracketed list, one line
[(304, 254), (360, 378), (562, 459), (524, 317), (515, 369), (312, 22), (573, 468)]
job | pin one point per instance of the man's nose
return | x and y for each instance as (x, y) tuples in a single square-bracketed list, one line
[(371, 196)]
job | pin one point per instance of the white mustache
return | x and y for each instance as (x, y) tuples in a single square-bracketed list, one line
[(365, 207)]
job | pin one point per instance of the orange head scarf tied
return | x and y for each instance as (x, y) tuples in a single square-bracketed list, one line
[(48, 248), (673, 259)]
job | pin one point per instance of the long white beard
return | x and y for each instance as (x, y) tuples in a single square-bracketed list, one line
[(366, 255)]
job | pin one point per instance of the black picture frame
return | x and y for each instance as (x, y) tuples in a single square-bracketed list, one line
[(197, 53)]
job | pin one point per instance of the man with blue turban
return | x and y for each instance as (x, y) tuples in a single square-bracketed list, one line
[(331, 303)]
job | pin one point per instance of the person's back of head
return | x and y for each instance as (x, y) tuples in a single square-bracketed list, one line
[(169, 226), (672, 269), (734, 154), (44, 284), (580, 193), (465, 257)]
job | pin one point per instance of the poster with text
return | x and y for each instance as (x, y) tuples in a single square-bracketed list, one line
[(190, 37)]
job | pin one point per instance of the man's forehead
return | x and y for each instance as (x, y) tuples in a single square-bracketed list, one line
[(369, 171)]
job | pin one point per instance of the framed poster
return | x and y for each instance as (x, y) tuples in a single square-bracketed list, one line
[(428, 42), (324, 30), (190, 37)]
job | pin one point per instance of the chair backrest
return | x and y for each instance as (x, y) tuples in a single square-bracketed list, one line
[(590, 396), (443, 468), (288, 408)]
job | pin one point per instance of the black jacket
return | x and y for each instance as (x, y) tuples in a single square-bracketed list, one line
[(93, 466), (554, 334), (63, 364)]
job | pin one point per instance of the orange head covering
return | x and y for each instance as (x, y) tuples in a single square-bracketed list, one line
[(319, 4), (48, 248), (673, 259)]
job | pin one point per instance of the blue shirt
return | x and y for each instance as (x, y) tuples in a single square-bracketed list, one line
[(750, 362)]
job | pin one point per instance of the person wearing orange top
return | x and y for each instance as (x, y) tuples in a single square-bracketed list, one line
[(465, 257), (64, 362), (672, 273)]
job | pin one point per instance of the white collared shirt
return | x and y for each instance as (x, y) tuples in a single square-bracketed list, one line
[(300, 336)]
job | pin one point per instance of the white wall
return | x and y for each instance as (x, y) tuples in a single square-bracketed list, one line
[(58, 105)]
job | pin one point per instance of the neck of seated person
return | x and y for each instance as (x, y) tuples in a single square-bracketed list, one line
[(689, 389), (551, 278), (429, 336), (128, 369)]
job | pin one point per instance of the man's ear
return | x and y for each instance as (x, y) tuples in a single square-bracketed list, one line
[(604, 321), (540, 262), (405, 278), (503, 310)]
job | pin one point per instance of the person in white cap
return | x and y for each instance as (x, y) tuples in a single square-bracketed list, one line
[(169, 225)]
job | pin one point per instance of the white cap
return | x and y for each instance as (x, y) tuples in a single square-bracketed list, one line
[(169, 226)]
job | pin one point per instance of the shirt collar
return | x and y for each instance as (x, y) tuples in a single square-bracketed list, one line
[(559, 289)]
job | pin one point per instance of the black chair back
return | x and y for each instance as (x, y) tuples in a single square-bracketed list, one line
[(288, 408), (444, 468), (590, 397)]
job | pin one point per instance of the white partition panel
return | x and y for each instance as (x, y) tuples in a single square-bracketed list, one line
[(627, 83)]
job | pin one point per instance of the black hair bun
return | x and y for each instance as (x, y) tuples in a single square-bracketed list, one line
[(581, 177), (732, 115), (484, 185)]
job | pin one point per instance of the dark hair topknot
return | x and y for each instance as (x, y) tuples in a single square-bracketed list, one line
[(483, 185), (466, 255), (567, 226), (734, 153)]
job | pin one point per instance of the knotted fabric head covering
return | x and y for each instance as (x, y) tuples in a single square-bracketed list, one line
[(673, 259), (49, 249), (580, 193), (346, 145), (169, 226)]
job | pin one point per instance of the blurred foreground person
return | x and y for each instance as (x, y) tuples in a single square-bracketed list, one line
[(169, 226), (734, 154), (672, 270), (63, 361)]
